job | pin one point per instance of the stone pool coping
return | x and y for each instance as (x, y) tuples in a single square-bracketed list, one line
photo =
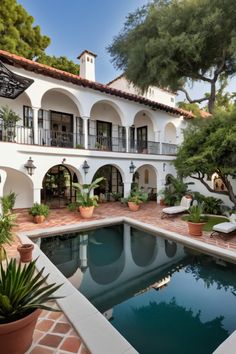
[(99, 336)]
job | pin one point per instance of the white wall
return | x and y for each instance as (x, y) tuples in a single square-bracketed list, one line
[(153, 93)]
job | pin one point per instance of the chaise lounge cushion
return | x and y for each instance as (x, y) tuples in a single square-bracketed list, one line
[(184, 206), (225, 227)]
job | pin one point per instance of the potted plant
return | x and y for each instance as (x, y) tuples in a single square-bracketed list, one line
[(39, 212), (9, 119), (6, 235), (195, 220), (8, 202), (86, 202), (135, 199), (26, 252), (20, 304)]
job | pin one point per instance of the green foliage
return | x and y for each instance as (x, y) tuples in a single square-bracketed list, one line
[(39, 209), (136, 196), (79, 146), (6, 225), (8, 117), (22, 290), (172, 43), (116, 196), (209, 146), (61, 63), (8, 202), (72, 206), (17, 33), (211, 205), (19, 36), (83, 195), (195, 214), (174, 191)]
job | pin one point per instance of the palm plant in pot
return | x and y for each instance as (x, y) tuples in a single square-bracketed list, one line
[(39, 212), (135, 199), (84, 199), (23, 293), (195, 220)]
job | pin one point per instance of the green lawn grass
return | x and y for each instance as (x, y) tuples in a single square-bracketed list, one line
[(210, 221)]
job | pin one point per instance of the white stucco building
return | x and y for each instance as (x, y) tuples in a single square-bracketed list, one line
[(68, 119)]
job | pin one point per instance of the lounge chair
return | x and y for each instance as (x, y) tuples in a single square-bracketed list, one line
[(224, 229), (174, 210)]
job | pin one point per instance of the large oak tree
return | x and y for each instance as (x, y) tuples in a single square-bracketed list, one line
[(172, 43)]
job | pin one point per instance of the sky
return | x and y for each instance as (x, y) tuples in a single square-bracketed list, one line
[(76, 25)]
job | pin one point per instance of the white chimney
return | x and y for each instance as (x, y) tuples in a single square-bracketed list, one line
[(87, 65)]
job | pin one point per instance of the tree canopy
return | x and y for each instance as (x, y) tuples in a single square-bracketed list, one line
[(172, 43), (18, 35), (209, 147)]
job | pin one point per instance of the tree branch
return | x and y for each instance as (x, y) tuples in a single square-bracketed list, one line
[(189, 98), (201, 179)]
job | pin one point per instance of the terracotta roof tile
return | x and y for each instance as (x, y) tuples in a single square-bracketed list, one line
[(30, 65)]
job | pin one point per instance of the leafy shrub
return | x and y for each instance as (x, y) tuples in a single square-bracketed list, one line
[(8, 202), (212, 205), (39, 209), (195, 214), (136, 196), (6, 225)]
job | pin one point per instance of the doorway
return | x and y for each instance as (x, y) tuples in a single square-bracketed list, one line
[(104, 135), (142, 139), (61, 129)]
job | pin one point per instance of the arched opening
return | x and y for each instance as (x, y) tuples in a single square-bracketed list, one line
[(145, 178), (170, 248), (170, 133), (105, 128), (20, 184), (57, 189), (144, 249), (142, 133), (59, 119), (111, 188)]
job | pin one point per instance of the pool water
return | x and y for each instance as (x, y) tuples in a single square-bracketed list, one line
[(162, 297)]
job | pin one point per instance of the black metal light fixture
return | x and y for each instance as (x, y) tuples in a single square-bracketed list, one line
[(164, 167), (131, 167), (30, 166), (85, 167), (0, 178)]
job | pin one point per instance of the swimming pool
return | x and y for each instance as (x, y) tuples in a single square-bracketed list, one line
[(162, 297)]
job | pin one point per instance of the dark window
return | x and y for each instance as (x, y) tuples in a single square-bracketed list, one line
[(40, 118), (27, 116)]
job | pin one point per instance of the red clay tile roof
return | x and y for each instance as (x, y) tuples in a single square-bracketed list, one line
[(42, 69)]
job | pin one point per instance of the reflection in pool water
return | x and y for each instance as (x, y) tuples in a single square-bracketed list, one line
[(161, 297)]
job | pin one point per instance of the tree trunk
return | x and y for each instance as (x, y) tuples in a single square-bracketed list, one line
[(212, 98)]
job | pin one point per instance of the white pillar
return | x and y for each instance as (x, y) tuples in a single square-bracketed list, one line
[(127, 188), (162, 138), (3, 177), (37, 195), (85, 121), (127, 138), (35, 125)]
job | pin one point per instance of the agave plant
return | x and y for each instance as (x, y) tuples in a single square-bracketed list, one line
[(22, 291), (84, 197)]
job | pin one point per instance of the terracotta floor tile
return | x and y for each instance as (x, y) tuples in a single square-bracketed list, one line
[(44, 325), (41, 350), (55, 315), (51, 340), (37, 335), (61, 328), (71, 344)]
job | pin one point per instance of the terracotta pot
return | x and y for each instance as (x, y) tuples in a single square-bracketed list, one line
[(162, 202), (195, 229), (25, 251), (16, 337), (133, 206), (38, 219), (86, 212)]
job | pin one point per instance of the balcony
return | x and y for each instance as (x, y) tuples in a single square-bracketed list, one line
[(23, 135)]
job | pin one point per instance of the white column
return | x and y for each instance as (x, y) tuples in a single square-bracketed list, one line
[(37, 195), (127, 188), (127, 138), (35, 125), (3, 177), (85, 121), (161, 135)]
